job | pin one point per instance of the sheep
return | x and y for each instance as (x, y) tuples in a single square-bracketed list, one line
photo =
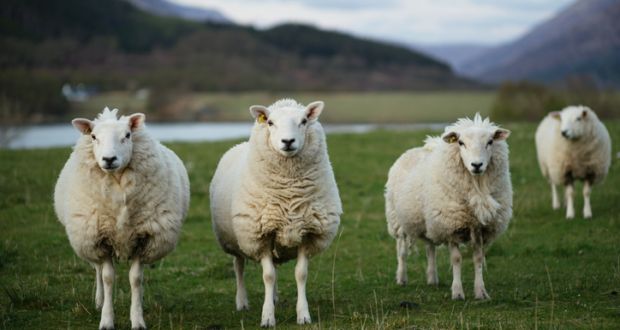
[(274, 198), (573, 144), (121, 195), (454, 190)]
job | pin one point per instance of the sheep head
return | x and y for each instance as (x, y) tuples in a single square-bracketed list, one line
[(574, 121), (476, 141), (287, 122), (111, 137)]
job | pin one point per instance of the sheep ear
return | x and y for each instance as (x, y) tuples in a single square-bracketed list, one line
[(451, 137), (136, 121), (85, 126), (314, 109), (555, 115), (260, 113), (501, 134)]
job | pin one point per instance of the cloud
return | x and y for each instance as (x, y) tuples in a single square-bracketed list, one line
[(403, 21)]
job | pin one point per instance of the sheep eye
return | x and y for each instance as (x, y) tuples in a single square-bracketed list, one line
[(461, 143), (93, 136), (490, 142), (304, 121), (270, 123), (127, 135)]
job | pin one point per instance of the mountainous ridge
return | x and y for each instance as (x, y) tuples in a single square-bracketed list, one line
[(169, 9), (455, 54), (117, 47), (581, 40)]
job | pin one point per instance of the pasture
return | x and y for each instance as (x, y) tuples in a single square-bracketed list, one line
[(342, 107), (544, 272)]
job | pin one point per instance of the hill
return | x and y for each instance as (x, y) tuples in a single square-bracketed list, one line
[(166, 8), (117, 46), (582, 40), (454, 54)]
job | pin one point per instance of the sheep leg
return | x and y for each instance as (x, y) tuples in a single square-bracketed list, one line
[(135, 281), (107, 310), (268, 318), (570, 208), (479, 291), (242, 295), (98, 286), (401, 256), (431, 267), (457, 285), (301, 274), (587, 209), (275, 289), (555, 199)]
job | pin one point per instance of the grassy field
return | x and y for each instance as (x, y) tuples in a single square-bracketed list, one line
[(544, 272), (375, 107)]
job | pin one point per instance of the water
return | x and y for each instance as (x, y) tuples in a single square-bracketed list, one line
[(62, 135)]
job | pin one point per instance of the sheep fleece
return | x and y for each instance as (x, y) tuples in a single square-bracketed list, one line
[(138, 215), (562, 161), (261, 201), (431, 195)]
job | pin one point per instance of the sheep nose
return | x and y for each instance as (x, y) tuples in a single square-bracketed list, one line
[(476, 165), (288, 142), (565, 133), (109, 160)]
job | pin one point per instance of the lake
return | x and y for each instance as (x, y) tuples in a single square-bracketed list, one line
[(62, 135)]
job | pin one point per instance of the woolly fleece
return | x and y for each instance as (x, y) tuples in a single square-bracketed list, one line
[(431, 195), (138, 214), (262, 201)]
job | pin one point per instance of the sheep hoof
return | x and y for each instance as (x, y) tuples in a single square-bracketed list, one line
[(268, 322), (458, 296), (242, 303), (140, 325), (401, 280), (106, 327), (432, 281), (304, 319), (482, 295), (587, 215)]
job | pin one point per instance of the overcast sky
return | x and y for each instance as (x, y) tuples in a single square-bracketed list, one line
[(408, 21)]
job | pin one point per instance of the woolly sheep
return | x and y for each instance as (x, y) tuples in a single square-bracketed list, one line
[(121, 195), (275, 198), (573, 144), (456, 189)]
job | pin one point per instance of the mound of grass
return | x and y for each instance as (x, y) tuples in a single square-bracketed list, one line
[(543, 272)]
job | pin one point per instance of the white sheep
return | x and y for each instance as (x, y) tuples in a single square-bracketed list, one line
[(456, 189), (121, 195), (573, 144), (275, 198)]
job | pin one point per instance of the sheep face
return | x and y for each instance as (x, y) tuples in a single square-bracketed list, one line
[(476, 146), (573, 121), (287, 126), (111, 139)]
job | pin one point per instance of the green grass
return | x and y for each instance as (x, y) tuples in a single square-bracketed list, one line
[(354, 107), (544, 272)]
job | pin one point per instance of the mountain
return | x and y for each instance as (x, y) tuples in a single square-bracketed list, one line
[(46, 44), (169, 9), (583, 40), (454, 54)]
